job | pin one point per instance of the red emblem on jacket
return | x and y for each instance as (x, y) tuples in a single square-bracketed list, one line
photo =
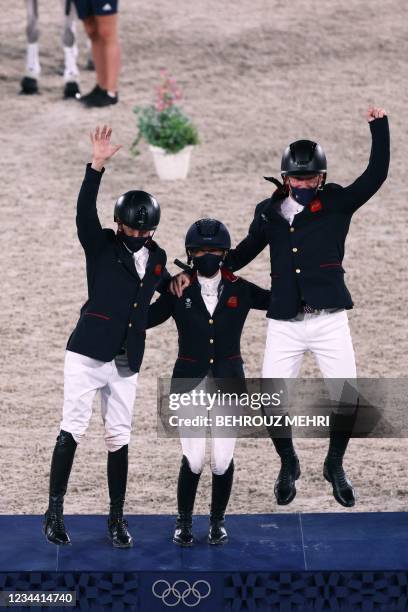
[(232, 301), (315, 206), (158, 269)]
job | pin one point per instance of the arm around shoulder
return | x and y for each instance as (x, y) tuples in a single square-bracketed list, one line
[(260, 298), (252, 245), (160, 310)]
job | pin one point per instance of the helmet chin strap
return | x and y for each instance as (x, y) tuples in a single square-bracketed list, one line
[(286, 185), (149, 238), (322, 182)]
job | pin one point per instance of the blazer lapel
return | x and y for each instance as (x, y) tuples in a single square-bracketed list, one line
[(151, 262), (125, 258), (274, 211), (196, 297), (225, 290), (300, 218)]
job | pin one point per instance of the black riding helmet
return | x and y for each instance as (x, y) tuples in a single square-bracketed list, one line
[(303, 158), (137, 209), (208, 233)]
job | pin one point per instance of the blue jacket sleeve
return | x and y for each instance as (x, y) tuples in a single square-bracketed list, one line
[(252, 245), (90, 232), (358, 193), (160, 310), (164, 282), (260, 298)]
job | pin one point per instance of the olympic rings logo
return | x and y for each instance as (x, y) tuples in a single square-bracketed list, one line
[(181, 591)]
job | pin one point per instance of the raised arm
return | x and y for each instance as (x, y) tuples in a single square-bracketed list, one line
[(252, 245), (90, 232), (363, 188)]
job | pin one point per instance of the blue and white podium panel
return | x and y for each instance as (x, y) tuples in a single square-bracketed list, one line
[(273, 562)]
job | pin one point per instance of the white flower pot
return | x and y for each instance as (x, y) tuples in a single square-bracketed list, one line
[(171, 166)]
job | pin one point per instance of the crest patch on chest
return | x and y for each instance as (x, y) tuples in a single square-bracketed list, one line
[(315, 206), (232, 301), (187, 303)]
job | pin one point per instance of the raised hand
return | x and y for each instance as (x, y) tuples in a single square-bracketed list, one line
[(375, 112), (103, 150)]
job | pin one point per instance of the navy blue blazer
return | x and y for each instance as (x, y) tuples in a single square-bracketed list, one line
[(307, 257), (115, 313), (210, 342)]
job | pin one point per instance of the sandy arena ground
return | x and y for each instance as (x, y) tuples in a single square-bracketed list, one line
[(256, 75)]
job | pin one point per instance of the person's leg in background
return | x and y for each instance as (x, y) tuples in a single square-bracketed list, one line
[(331, 343), (90, 29), (101, 22), (92, 33), (109, 50)]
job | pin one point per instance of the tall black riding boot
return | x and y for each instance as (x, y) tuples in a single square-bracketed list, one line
[(117, 478), (186, 493), (61, 464), (341, 426), (221, 491), (285, 485)]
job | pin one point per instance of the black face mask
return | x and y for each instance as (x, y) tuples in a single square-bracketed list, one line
[(208, 264), (133, 243)]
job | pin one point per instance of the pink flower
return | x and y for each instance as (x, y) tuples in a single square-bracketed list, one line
[(167, 92)]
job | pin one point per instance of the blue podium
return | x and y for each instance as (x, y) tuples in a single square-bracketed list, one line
[(273, 562)]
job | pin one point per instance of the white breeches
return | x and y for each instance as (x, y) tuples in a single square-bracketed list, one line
[(83, 377), (326, 335)]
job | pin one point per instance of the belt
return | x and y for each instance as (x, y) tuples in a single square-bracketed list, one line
[(306, 309)]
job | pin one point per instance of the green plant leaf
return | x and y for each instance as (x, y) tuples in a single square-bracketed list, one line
[(169, 129)]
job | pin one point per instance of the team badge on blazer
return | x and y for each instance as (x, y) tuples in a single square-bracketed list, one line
[(232, 301), (188, 303), (315, 206), (158, 269)]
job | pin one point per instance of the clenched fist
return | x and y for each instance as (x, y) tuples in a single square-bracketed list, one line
[(375, 112)]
